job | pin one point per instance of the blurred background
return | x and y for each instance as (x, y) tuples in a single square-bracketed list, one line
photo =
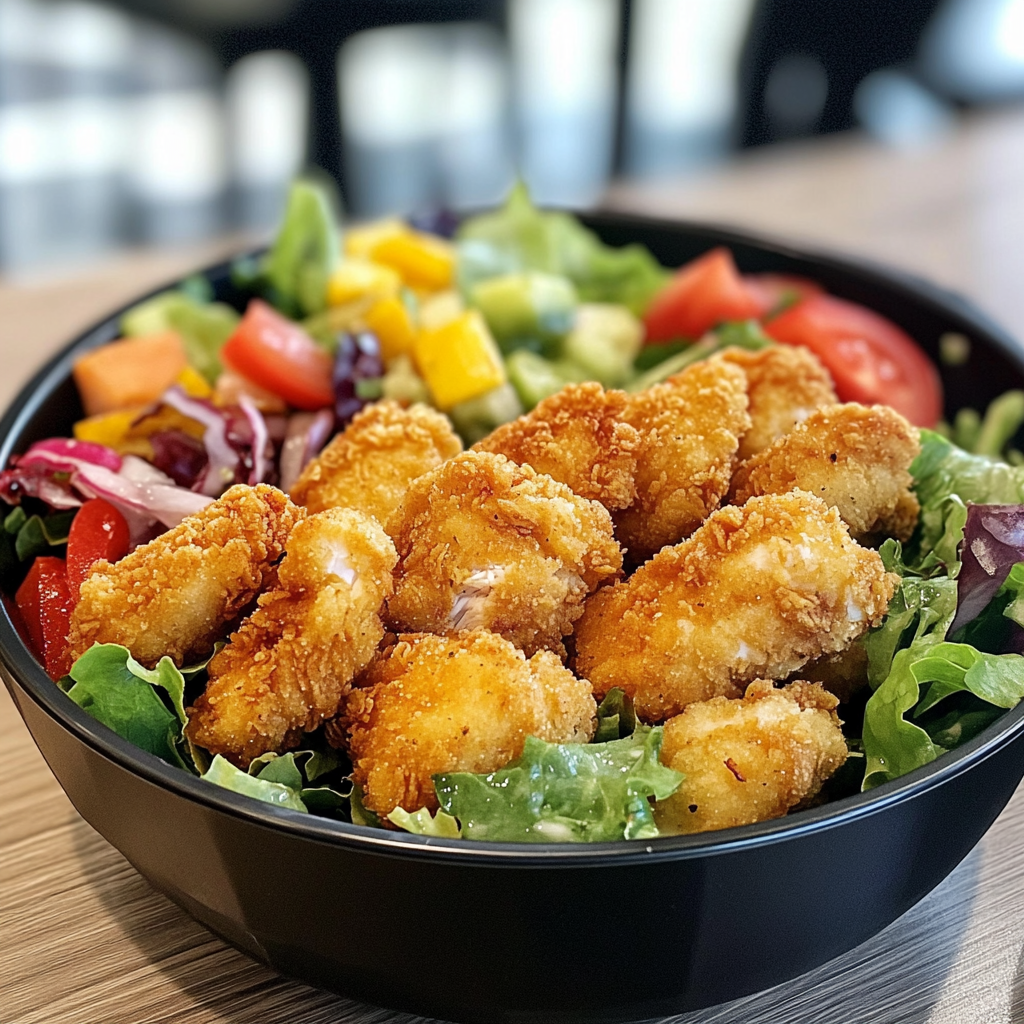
[(166, 122)]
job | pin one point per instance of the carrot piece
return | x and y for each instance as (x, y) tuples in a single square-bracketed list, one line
[(129, 372)]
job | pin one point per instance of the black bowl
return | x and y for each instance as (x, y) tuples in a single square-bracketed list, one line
[(499, 932)]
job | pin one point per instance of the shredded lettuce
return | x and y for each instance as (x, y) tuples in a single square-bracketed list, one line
[(519, 237), (422, 823), (223, 773), (564, 792)]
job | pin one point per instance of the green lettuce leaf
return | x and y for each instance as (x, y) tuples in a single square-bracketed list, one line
[(921, 678), (115, 689), (571, 792), (519, 237), (616, 718), (946, 478), (223, 773), (422, 823), (304, 253)]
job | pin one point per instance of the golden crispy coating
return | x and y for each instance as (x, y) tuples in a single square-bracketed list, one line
[(485, 543), (578, 438), (292, 661), (464, 702), (757, 591), (751, 759), (854, 457), (370, 464), (176, 594), (690, 428), (785, 384)]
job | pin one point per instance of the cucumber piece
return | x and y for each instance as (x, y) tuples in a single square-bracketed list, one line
[(528, 307), (604, 341), (479, 416), (535, 377)]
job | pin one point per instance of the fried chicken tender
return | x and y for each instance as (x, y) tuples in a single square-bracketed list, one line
[(690, 428), (577, 437), (751, 759), (856, 458), (785, 384), (486, 543), (465, 702), (292, 661), (176, 594), (756, 592), (370, 464)]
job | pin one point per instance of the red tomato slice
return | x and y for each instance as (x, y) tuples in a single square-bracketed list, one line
[(777, 292), (97, 531), (277, 354), (45, 607), (705, 292), (870, 358)]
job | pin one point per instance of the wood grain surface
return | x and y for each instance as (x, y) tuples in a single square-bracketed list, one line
[(84, 940)]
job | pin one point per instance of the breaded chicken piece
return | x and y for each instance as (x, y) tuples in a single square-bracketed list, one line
[(854, 457), (577, 437), (844, 674), (485, 543), (292, 661), (464, 702), (756, 592), (690, 428), (370, 464), (751, 759), (176, 594), (785, 384)]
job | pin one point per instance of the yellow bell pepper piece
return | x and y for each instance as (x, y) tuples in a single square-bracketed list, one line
[(459, 361), (357, 279), (193, 383), (360, 241), (390, 321), (423, 260), (108, 428)]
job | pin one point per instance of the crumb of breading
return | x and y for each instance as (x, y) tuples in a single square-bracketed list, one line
[(486, 542), (758, 591), (175, 595), (750, 759), (291, 662), (577, 437), (689, 427), (785, 384), (856, 458), (370, 464), (465, 702)]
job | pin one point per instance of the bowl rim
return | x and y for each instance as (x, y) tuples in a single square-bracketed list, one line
[(22, 671)]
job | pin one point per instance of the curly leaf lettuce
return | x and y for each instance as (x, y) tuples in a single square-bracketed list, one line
[(223, 773), (922, 677), (571, 792), (519, 237)]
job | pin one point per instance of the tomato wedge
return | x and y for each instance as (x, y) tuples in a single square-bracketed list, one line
[(278, 355), (870, 358), (45, 606), (97, 531), (703, 293)]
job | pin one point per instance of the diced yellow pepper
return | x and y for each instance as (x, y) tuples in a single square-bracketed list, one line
[(108, 428), (357, 279), (423, 260), (460, 360), (361, 240), (440, 309), (193, 383), (390, 321)]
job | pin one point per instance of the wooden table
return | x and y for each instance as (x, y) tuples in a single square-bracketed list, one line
[(84, 940)]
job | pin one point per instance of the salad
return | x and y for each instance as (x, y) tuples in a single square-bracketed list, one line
[(710, 534)]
